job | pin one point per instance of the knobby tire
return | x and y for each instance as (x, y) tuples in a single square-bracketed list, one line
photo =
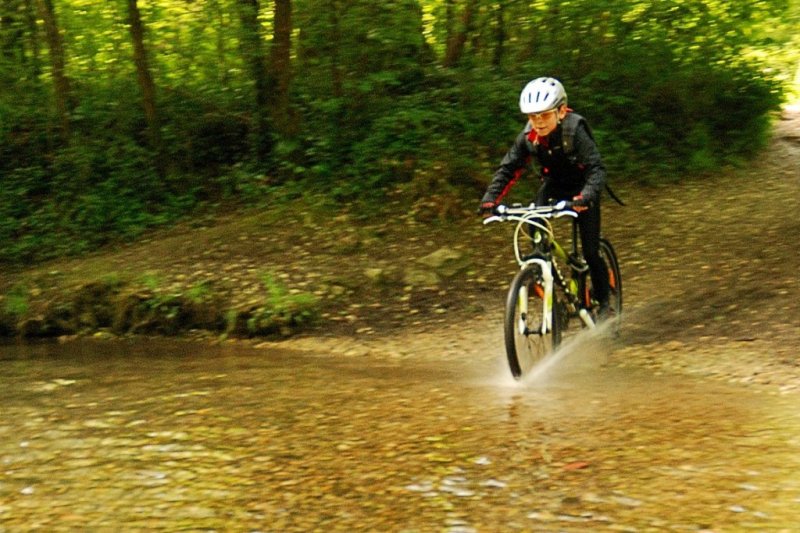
[(615, 282), (615, 285)]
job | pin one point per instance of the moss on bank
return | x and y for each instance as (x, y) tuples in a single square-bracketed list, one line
[(143, 307)]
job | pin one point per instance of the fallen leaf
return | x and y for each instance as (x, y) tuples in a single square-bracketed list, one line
[(576, 465)]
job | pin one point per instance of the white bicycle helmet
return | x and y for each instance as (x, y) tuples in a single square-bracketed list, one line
[(542, 94)]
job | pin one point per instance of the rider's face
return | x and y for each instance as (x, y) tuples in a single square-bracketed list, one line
[(544, 123)]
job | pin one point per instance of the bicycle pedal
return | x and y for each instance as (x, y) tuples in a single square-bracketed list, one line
[(578, 265)]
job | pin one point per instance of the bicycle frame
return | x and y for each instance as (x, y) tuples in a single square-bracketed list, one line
[(538, 218)]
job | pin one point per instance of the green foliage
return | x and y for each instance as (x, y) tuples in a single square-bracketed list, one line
[(88, 194), (678, 125), (283, 311), (358, 64), (151, 282), (16, 301), (669, 87), (148, 306), (199, 292)]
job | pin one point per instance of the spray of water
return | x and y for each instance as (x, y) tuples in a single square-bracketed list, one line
[(576, 351)]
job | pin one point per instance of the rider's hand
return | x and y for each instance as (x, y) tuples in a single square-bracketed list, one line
[(486, 209), (579, 204)]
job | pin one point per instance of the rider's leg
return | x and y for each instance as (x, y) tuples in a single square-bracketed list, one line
[(544, 194), (589, 227)]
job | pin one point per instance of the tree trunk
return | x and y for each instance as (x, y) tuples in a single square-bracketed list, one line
[(35, 67), (253, 52), (145, 80), (337, 70), (222, 67), (449, 24), (280, 65), (61, 83), (10, 34), (457, 38), (500, 36)]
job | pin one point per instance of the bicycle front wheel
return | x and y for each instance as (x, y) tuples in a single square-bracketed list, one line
[(530, 335)]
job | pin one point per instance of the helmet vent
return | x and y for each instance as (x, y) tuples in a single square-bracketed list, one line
[(541, 95)]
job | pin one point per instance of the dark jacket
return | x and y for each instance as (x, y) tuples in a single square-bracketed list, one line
[(579, 170)]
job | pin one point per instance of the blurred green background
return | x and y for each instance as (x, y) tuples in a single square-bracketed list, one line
[(123, 115)]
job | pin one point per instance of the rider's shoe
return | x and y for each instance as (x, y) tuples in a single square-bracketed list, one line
[(603, 312)]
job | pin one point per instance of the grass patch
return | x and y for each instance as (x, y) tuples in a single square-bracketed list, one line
[(283, 312), (17, 301)]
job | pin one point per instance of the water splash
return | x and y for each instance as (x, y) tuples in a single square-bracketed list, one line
[(578, 351)]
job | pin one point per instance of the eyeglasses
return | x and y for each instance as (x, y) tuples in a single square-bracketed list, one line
[(544, 115)]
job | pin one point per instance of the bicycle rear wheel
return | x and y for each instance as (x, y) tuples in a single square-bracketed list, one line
[(614, 282), (526, 343)]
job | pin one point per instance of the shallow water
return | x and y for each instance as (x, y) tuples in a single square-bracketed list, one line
[(171, 435)]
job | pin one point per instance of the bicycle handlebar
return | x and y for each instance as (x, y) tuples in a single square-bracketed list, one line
[(518, 212)]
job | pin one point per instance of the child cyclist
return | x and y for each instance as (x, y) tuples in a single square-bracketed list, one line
[(570, 169)]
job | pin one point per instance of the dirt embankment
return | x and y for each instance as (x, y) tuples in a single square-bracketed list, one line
[(709, 267)]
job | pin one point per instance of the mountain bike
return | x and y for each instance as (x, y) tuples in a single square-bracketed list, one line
[(553, 285)]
